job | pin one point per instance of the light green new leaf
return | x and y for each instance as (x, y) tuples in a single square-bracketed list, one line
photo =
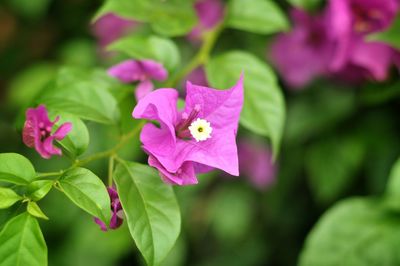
[(135, 9), (355, 232), (264, 106), (257, 16), (83, 93), (159, 49), (332, 166), (171, 18), (152, 212), (87, 191), (391, 36), (16, 169), (34, 210), (8, 197), (38, 189), (392, 193), (22, 243)]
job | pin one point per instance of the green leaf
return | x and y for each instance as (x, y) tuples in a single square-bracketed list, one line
[(303, 122), (376, 95), (34, 210), (22, 242), (264, 106), (391, 36), (86, 245), (8, 197), (82, 93), (392, 194), (225, 204), (77, 140), (306, 4), (151, 209), (38, 189), (355, 232), (27, 84), (257, 16), (7, 214), (332, 165), (159, 49), (136, 9), (126, 105), (171, 18), (87, 191), (16, 169), (67, 76), (78, 52), (383, 145), (30, 9)]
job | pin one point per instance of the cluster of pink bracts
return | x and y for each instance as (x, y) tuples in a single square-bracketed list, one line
[(196, 139), (334, 43)]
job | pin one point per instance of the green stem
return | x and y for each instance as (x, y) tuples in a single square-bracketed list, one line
[(110, 170), (93, 157), (200, 58), (41, 175), (109, 153), (113, 151)]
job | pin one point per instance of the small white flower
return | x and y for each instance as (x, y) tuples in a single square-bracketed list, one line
[(200, 129)]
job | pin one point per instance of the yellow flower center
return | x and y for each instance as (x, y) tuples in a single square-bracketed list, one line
[(200, 129)]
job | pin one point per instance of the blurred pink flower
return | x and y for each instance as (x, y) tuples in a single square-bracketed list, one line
[(110, 27), (349, 22), (37, 132), (304, 53), (196, 139), (139, 70), (255, 162), (116, 211), (209, 13), (367, 60)]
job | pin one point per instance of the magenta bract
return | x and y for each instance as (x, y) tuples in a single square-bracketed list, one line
[(178, 151), (209, 13), (139, 70), (349, 22), (116, 211), (37, 132), (110, 27), (198, 76), (256, 163)]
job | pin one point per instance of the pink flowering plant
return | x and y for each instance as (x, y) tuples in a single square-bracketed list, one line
[(200, 132), (183, 132)]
